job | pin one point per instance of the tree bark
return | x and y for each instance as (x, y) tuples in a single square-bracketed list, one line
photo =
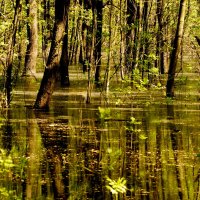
[(107, 73), (64, 61), (32, 33), (198, 40), (52, 69), (137, 38), (131, 16), (176, 49), (97, 50), (160, 40), (46, 30), (10, 55)]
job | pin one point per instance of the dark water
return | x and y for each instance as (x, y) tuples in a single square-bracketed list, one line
[(145, 147)]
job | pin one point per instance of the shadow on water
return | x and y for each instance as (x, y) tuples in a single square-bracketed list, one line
[(76, 152)]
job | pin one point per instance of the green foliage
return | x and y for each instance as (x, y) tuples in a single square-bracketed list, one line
[(8, 194), (143, 137), (134, 121), (131, 127), (182, 80), (154, 71), (104, 113), (138, 82), (114, 157), (169, 100), (5, 162), (116, 187)]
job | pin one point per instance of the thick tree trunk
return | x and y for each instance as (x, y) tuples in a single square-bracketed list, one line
[(32, 33), (176, 48), (52, 70)]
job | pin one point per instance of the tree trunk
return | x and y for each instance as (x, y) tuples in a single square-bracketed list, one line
[(91, 58), (9, 58), (52, 69), (64, 61), (160, 40), (97, 51), (32, 33), (122, 56), (131, 15), (74, 36), (144, 49), (46, 30), (137, 38), (107, 74), (176, 48), (198, 40)]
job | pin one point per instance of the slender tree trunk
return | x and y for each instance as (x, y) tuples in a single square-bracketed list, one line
[(73, 37), (176, 49), (91, 58), (160, 40), (144, 52), (131, 15), (137, 38), (97, 51), (87, 37), (9, 58), (46, 30), (32, 33), (64, 61), (52, 70), (122, 40), (107, 75), (19, 49)]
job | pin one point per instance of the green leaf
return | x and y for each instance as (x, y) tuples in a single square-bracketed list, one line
[(142, 137)]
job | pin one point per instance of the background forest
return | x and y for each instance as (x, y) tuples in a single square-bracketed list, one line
[(136, 40)]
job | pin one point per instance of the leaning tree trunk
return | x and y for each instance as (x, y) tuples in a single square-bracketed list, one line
[(176, 48), (52, 70), (32, 33)]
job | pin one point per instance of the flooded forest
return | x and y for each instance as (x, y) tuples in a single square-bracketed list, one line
[(100, 100)]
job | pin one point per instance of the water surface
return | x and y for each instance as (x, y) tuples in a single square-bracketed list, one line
[(146, 147)]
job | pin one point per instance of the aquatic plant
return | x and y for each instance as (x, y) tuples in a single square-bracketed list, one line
[(116, 187), (104, 113)]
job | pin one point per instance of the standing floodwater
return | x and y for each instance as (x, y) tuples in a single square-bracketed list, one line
[(145, 148)]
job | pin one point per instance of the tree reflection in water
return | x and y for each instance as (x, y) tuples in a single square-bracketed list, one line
[(67, 153)]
